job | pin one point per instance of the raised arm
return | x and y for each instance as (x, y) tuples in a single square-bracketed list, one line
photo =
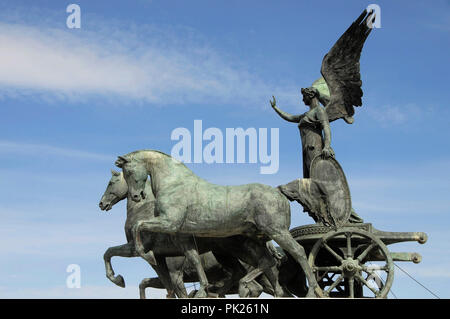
[(286, 116)]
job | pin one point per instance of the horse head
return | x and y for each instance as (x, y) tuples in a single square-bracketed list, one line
[(116, 190), (135, 174)]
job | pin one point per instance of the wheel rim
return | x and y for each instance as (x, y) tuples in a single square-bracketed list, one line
[(351, 248)]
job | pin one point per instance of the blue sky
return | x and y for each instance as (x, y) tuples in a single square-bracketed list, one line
[(71, 100)]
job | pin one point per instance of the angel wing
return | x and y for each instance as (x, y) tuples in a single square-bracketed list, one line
[(340, 69)]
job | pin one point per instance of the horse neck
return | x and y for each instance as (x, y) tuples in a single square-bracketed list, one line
[(159, 168), (131, 204), (132, 208)]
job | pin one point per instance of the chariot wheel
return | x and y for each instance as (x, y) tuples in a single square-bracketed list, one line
[(339, 258)]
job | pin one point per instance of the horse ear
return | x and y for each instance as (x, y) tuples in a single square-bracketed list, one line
[(115, 173), (121, 161)]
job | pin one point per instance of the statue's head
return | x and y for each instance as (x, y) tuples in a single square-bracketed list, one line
[(309, 94), (135, 174), (116, 190)]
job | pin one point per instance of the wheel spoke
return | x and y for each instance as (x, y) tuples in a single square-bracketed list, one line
[(339, 258), (363, 281), (334, 285), (321, 277), (366, 251), (349, 245), (328, 276), (373, 274), (335, 269), (377, 279), (351, 286), (373, 268)]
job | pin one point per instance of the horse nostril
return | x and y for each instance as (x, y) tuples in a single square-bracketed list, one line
[(100, 205)]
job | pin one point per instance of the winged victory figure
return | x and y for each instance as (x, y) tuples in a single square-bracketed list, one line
[(338, 90)]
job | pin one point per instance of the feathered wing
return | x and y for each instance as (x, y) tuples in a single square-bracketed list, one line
[(340, 69)]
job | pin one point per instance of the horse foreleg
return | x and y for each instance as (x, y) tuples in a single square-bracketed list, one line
[(149, 283), (153, 283), (244, 290), (194, 258), (178, 283), (154, 225), (164, 274), (267, 264), (271, 275), (285, 240), (231, 265), (126, 250), (176, 273), (258, 255)]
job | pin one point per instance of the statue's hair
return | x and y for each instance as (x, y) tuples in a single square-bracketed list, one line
[(314, 92), (310, 92)]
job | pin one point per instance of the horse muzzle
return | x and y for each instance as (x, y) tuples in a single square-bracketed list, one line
[(105, 207)]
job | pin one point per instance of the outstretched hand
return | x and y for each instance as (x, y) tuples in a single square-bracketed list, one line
[(273, 102)]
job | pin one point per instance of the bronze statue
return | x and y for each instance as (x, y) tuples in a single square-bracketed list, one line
[(311, 125), (187, 204), (339, 90), (238, 256), (225, 232)]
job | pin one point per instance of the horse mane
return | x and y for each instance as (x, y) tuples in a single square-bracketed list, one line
[(134, 154), (144, 150), (187, 170)]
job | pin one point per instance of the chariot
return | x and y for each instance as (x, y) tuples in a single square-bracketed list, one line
[(349, 259), (353, 261)]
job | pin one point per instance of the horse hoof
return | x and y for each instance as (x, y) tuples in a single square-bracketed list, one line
[(201, 294), (119, 281), (310, 294), (315, 292), (319, 292), (244, 292)]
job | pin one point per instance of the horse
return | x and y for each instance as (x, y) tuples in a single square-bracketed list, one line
[(171, 273), (116, 191), (182, 272), (188, 204)]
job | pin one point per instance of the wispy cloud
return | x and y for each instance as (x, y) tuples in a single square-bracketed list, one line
[(389, 115), (8, 147), (48, 239), (141, 64)]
